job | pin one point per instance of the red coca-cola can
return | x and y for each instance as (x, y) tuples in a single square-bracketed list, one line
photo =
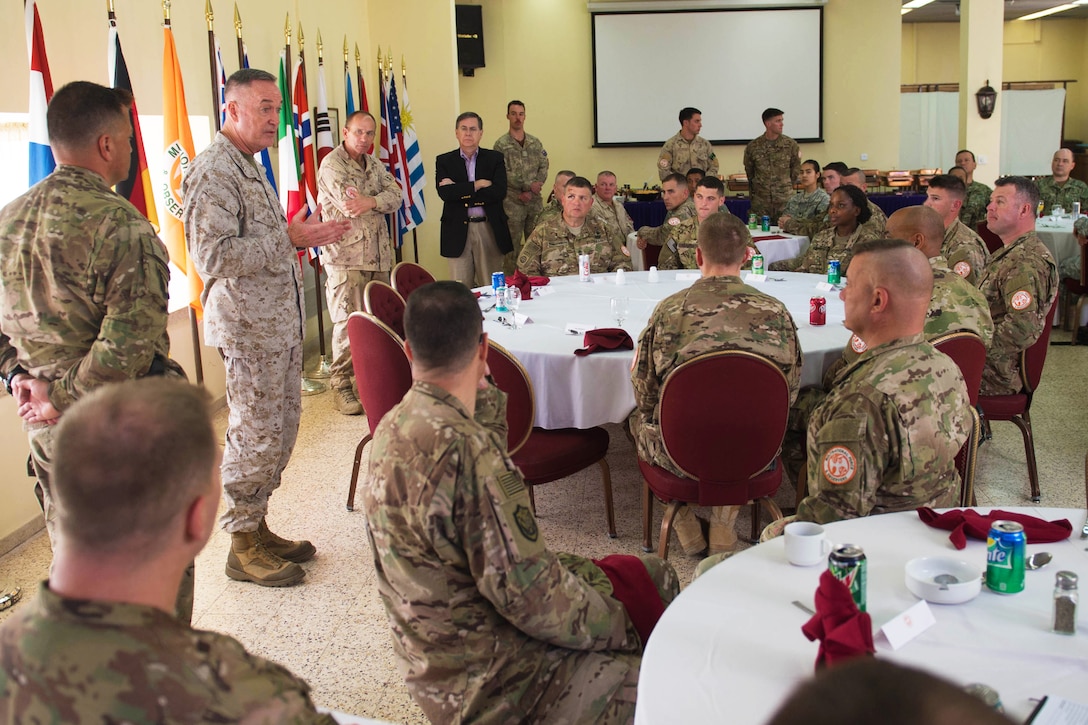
[(817, 311)]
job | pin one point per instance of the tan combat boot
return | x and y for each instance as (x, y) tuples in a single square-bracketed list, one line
[(296, 551), (689, 531), (723, 529), (250, 561), (347, 403)]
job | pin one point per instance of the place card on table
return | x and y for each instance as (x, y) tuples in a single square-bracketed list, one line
[(521, 320), (827, 287), (755, 278), (686, 276), (909, 624), (543, 291)]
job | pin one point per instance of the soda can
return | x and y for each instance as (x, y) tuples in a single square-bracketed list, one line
[(847, 563), (752, 224), (583, 267), (817, 311), (1076, 210), (834, 275), (1005, 553), (765, 223), (757, 264), (498, 279)]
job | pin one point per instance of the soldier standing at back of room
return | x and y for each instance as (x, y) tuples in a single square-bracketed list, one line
[(526, 172)]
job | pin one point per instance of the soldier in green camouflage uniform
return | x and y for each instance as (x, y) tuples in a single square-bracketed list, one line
[(976, 195), (773, 163), (354, 186), (963, 248), (886, 437), (678, 251), (718, 312), (489, 625), (849, 212), (678, 207), (254, 312), (554, 207), (99, 644), (553, 247), (687, 149), (1069, 268), (1020, 284), (604, 200), (83, 277), (810, 202), (526, 172), (1061, 189)]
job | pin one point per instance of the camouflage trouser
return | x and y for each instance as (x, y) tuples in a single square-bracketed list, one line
[(795, 444), (344, 289), (265, 402), (520, 218)]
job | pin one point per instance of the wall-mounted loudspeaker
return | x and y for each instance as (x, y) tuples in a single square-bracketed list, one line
[(470, 38)]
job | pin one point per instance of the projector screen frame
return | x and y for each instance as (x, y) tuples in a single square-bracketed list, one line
[(597, 143)]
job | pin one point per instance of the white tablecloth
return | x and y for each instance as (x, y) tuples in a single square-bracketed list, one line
[(730, 648), (1058, 237), (582, 392), (774, 250)]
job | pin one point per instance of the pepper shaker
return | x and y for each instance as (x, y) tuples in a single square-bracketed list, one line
[(1065, 602)]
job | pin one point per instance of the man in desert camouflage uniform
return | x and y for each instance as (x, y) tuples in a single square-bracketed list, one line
[(1061, 189), (99, 643), (718, 312), (1020, 283), (489, 625), (687, 149), (773, 163), (254, 311), (678, 207), (678, 251), (353, 186), (963, 248), (976, 195), (886, 437), (553, 247), (83, 277), (526, 172)]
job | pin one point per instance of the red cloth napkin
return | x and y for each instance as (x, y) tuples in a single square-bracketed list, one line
[(968, 522), (604, 339), (764, 237), (526, 284), (633, 587), (843, 631), (477, 294)]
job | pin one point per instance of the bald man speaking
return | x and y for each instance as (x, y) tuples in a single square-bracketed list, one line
[(885, 438)]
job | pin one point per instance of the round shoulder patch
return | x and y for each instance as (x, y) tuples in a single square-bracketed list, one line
[(1021, 300), (839, 465), (857, 344), (664, 162), (673, 221), (962, 269)]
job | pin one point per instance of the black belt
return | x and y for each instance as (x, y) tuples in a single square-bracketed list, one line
[(476, 219)]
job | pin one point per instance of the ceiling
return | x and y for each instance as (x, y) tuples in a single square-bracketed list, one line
[(944, 11)]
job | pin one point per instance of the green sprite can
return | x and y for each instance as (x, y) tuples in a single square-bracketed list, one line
[(834, 275), (847, 563), (1005, 553)]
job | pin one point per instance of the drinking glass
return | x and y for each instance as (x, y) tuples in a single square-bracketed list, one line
[(621, 306), (513, 302)]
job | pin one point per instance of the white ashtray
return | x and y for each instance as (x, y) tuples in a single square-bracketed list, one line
[(922, 573)]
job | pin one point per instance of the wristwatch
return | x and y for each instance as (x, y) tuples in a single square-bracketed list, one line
[(19, 370)]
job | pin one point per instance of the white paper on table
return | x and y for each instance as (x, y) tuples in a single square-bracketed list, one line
[(1059, 711), (755, 278), (520, 319), (578, 328), (683, 276), (909, 624), (543, 291), (826, 287)]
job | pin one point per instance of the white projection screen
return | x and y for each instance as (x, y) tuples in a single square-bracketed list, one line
[(730, 64)]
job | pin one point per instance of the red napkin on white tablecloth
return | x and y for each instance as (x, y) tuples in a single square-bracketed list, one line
[(844, 631), (968, 522), (526, 284), (604, 339)]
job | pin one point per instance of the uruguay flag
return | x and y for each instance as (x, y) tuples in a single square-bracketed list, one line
[(41, 91)]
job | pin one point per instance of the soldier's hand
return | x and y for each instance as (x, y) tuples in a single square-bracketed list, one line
[(360, 205), (307, 230), (536, 186), (525, 197), (33, 397), (641, 243), (783, 220)]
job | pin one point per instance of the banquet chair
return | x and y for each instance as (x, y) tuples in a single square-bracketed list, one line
[(382, 373), (967, 460), (991, 240), (969, 353), (408, 276), (546, 455), (1017, 407), (1078, 289), (722, 416), (386, 304)]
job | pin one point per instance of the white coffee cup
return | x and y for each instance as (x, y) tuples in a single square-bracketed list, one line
[(806, 543)]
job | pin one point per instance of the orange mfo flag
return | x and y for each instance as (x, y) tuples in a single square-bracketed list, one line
[(178, 154)]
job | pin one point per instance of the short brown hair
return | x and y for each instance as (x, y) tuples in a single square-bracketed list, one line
[(82, 111), (443, 324), (723, 238)]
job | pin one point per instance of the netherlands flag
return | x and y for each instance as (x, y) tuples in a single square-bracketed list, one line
[(41, 91)]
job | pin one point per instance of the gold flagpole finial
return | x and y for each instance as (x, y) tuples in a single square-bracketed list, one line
[(319, 45), (301, 39), (237, 21), (381, 65), (166, 11), (358, 57), (403, 67), (109, 7), (209, 14), (287, 29), (345, 50)]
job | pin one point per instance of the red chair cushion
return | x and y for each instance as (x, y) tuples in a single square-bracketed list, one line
[(388, 307), (549, 455), (1074, 287), (1003, 407), (668, 487), (411, 277)]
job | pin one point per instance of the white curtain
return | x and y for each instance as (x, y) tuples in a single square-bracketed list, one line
[(928, 130)]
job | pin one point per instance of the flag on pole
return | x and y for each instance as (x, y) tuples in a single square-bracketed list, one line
[(178, 153), (290, 197), (304, 136), (324, 126), (137, 187), (41, 92), (387, 152), (413, 210), (349, 93), (363, 105), (221, 83), (262, 158)]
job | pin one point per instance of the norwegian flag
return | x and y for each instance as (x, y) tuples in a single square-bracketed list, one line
[(304, 136), (41, 92)]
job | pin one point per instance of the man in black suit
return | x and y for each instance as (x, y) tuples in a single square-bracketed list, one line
[(472, 184)]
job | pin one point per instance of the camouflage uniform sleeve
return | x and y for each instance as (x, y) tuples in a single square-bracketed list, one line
[(712, 167), (847, 455), (1024, 317), (664, 161), (331, 184), (749, 164), (529, 261), (389, 197), (795, 162), (9, 356), (643, 377), (491, 411), (543, 165), (135, 291)]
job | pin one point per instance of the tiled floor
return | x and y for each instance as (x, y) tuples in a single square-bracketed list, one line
[(332, 631)]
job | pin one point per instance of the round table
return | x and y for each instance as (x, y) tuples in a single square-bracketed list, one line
[(730, 647), (582, 392), (1058, 237)]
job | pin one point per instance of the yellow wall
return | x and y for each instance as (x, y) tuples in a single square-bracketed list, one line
[(1052, 49)]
